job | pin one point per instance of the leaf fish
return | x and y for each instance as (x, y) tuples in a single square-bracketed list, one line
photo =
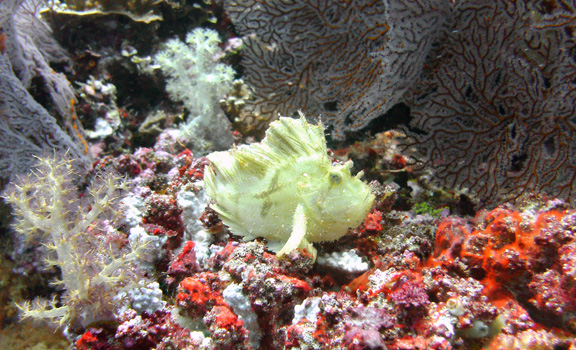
[(286, 189)]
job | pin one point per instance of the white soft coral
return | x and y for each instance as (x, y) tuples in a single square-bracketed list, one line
[(195, 77)]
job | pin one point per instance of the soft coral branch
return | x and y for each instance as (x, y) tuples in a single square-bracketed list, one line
[(51, 211)]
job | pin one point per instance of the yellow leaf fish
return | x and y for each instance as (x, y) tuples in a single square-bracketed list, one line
[(286, 189)]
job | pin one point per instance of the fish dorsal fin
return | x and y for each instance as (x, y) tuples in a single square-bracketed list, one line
[(286, 139), (294, 138)]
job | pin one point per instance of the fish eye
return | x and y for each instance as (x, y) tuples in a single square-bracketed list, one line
[(335, 178)]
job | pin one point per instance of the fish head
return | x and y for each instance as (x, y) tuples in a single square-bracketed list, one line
[(339, 197)]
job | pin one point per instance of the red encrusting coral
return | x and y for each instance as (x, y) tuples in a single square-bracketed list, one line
[(372, 223), (515, 255), (184, 265), (227, 329), (151, 331), (189, 167), (137, 332), (95, 339), (197, 295)]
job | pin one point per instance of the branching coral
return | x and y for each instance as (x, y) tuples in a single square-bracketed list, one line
[(78, 231)]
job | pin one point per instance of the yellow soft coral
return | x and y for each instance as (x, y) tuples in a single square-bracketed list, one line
[(286, 189), (48, 209)]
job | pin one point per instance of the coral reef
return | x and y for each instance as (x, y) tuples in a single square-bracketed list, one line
[(154, 246), (416, 278)]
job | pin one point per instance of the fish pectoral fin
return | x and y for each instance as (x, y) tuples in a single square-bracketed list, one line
[(297, 238)]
